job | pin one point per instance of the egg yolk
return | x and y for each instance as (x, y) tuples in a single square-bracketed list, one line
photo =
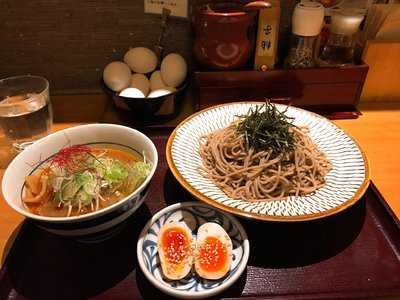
[(175, 245), (212, 254)]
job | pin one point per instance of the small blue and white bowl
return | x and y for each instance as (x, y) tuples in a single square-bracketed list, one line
[(98, 223), (194, 214)]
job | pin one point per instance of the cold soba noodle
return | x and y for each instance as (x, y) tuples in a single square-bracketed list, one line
[(263, 157), (81, 179)]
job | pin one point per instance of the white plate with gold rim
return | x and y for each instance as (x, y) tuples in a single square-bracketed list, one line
[(345, 183)]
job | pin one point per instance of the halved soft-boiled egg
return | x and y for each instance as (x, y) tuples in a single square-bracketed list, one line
[(175, 249), (213, 255)]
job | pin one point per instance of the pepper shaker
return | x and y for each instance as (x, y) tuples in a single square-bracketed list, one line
[(307, 20)]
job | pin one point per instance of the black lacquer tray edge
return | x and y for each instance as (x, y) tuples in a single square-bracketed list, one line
[(391, 227)]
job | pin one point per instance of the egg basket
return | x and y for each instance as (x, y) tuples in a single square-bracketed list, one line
[(148, 111)]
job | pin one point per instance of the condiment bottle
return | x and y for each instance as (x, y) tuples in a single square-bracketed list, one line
[(339, 49), (307, 22)]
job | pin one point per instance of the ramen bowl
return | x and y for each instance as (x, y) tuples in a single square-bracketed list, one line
[(96, 223)]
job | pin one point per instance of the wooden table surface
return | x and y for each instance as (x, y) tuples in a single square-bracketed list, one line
[(377, 131)]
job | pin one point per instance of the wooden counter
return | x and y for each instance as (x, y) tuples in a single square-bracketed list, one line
[(377, 131)]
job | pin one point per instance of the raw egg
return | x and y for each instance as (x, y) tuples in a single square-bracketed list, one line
[(141, 60), (161, 92), (117, 76), (140, 82), (132, 93), (173, 70), (156, 81)]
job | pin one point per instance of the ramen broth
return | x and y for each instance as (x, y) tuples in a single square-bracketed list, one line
[(48, 206)]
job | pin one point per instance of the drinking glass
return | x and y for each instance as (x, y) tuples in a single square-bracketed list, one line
[(25, 109)]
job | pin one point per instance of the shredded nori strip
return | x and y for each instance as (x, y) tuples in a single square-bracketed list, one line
[(265, 127)]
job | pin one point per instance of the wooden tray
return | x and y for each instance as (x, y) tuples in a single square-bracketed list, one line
[(354, 254)]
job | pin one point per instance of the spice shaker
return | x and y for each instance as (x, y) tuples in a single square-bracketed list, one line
[(307, 20), (339, 49)]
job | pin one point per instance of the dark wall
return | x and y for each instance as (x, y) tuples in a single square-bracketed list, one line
[(69, 42)]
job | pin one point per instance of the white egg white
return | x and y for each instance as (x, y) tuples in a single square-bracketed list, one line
[(170, 270), (213, 230)]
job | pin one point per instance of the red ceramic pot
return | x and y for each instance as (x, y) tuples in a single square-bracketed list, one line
[(225, 35)]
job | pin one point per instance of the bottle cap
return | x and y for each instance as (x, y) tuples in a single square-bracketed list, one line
[(307, 19), (346, 21)]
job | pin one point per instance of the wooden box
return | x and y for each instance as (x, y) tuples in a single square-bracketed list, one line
[(324, 90)]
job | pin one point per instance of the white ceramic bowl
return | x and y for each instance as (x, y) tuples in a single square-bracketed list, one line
[(92, 223), (194, 214)]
